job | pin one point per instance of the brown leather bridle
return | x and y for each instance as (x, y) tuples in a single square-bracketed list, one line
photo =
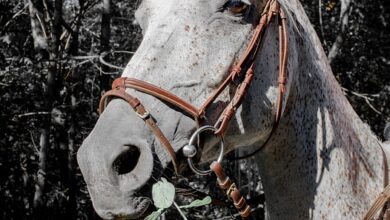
[(242, 71), (246, 62)]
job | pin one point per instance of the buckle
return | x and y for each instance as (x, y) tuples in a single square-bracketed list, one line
[(144, 116)]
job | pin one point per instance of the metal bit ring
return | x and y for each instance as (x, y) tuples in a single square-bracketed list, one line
[(191, 144)]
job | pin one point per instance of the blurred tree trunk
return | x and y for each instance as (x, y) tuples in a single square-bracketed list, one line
[(40, 44), (77, 79), (105, 36), (48, 31)]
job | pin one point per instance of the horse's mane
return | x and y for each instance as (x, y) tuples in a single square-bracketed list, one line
[(349, 130)]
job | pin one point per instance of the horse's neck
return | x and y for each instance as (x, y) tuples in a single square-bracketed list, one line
[(323, 160)]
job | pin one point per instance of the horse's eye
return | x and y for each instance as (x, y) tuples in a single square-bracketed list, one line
[(236, 6)]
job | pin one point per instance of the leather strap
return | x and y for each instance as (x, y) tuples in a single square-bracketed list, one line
[(384, 197), (230, 110), (378, 204), (276, 10), (231, 190), (145, 87), (271, 10), (120, 92)]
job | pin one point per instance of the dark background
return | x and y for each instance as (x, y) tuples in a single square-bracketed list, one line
[(49, 94)]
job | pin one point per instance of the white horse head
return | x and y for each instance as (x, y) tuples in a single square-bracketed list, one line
[(322, 162)]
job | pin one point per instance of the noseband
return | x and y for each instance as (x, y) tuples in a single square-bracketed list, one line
[(242, 71)]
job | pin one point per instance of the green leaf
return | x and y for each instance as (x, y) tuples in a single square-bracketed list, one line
[(154, 215), (197, 203), (163, 193)]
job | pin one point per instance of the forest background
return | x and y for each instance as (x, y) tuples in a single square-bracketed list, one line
[(58, 56)]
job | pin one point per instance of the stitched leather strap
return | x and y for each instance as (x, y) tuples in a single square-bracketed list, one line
[(120, 92), (384, 196), (275, 10), (378, 203), (231, 190), (237, 68), (157, 92), (271, 10)]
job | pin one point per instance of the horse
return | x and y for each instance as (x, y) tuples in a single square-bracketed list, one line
[(321, 162)]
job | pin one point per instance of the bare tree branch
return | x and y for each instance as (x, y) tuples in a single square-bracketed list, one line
[(101, 59), (368, 98), (101, 71), (33, 142), (4, 84), (344, 18), (37, 27), (105, 35), (321, 23), (32, 114), (17, 14)]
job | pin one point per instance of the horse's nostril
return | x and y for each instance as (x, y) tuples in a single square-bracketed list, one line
[(126, 161)]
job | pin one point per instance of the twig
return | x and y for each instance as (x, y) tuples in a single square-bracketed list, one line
[(180, 211), (85, 57), (372, 107), (33, 113), (33, 141), (81, 63), (101, 59), (91, 32), (67, 42), (97, 67), (98, 56), (15, 16), (321, 23), (368, 98), (122, 51), (42, 26), (344, 18)]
